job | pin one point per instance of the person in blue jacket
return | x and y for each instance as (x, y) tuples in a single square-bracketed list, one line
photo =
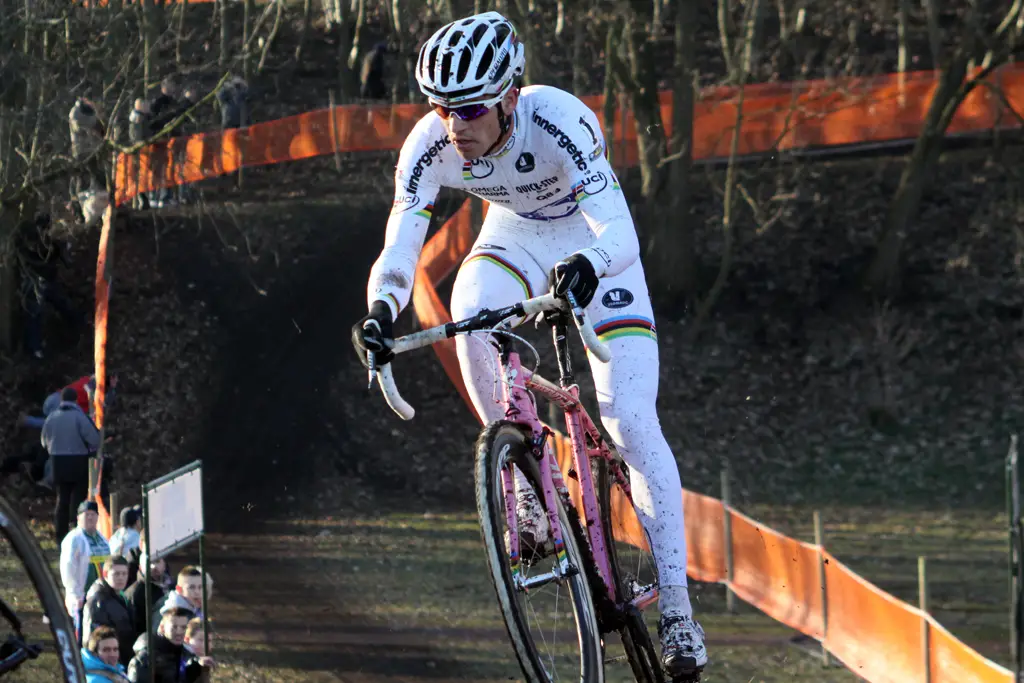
[(101, 656)]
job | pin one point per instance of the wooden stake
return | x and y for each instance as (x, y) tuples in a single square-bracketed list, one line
[(115, 511), (334, 133), (730, 597), (819, 540), (922, 593)]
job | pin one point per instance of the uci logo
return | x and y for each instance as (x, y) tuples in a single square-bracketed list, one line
[(589, 186), (477, 169)]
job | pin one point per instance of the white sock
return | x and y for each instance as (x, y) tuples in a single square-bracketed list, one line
[(674, 600)]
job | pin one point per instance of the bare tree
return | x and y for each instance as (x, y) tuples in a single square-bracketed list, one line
[(992, 50)]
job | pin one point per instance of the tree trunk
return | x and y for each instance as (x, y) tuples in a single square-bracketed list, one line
[(182, 9), (882, 276), (357, 37), (223, 57), (307, 12), (579, 74), (271, 38), (671, 254), (247, 9), (645, 105), (610, 99), (523, 20), (901, 32), (403, 64)]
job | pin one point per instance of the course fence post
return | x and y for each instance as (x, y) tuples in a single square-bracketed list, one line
[(819, 540), (730, 597), (922, 598)]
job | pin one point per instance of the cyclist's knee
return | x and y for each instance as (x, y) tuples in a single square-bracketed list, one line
[(632, 431)]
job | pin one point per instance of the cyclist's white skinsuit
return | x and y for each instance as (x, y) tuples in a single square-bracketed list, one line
[(552, 193)]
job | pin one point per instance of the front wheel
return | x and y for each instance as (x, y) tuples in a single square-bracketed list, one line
[(551, 624)]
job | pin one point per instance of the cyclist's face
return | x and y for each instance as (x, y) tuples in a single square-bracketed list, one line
[(109, 651), (472, 138), (117, 577)]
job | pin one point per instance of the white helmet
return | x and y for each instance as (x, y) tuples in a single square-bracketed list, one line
[(470, 61)]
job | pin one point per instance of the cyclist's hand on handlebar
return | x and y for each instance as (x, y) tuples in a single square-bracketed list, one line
[(370, 333), (575, 274)]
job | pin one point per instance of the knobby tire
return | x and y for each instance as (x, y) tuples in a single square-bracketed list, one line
[(505, 437)]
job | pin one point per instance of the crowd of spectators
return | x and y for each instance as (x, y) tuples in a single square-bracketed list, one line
[(109, 607)]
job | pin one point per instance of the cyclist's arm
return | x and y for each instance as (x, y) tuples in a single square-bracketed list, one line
[(598, 194), (416, 187)]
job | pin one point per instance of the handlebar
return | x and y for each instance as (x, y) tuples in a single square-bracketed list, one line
[(485, 320)]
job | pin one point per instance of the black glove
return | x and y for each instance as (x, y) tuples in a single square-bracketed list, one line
[(575, 274), (371, 337)]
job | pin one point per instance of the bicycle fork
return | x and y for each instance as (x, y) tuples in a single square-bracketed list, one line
[(521, 409)]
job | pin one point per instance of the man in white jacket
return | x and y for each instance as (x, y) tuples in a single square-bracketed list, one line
[(82, 554)]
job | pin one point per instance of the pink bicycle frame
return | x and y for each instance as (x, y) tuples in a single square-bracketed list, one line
[(586, 443)]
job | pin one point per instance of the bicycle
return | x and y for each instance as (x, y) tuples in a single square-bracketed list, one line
[(604, 597), (15, 651)]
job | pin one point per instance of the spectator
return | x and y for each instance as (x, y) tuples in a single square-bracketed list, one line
[(85, 386), (155, 573), (163, 109), (125, 541), (89, 187), (101, 657), (234, 108), (371, 74), (105, 605), (70, 437), (166, 656), (139, 129), (188, 593), (82, 554), (39, 255), (198, 662)]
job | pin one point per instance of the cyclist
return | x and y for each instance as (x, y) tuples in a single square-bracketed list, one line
[(558, 218)]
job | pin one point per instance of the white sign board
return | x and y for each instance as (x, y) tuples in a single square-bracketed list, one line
[(175, 513)]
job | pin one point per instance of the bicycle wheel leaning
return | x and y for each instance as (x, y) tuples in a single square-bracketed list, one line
[(550, 646), (27, 549), (634, 572)]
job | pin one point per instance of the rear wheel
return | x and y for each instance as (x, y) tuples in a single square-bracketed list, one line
[(551, 624), (634, 572)]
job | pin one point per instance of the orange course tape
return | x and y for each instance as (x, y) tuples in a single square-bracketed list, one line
[(780, 116)]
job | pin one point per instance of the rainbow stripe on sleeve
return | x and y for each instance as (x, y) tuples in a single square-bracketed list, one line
[(626, 326), (427, 211)]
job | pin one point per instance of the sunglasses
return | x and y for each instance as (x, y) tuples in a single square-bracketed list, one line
[(469, 112)]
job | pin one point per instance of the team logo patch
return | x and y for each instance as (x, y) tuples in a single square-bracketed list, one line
[(617, 298), (477, 169), (525, 163)]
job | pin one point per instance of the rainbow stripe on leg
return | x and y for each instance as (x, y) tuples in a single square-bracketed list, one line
[(626, 326)]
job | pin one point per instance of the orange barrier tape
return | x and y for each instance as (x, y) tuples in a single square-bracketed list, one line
[(188, 159), (953, 662), (875, 635), (705, 537), (775, 116), (778, 574), (103, 278)]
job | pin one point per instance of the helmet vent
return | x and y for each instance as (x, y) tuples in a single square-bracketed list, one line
[(485, 62), (446, 68)]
